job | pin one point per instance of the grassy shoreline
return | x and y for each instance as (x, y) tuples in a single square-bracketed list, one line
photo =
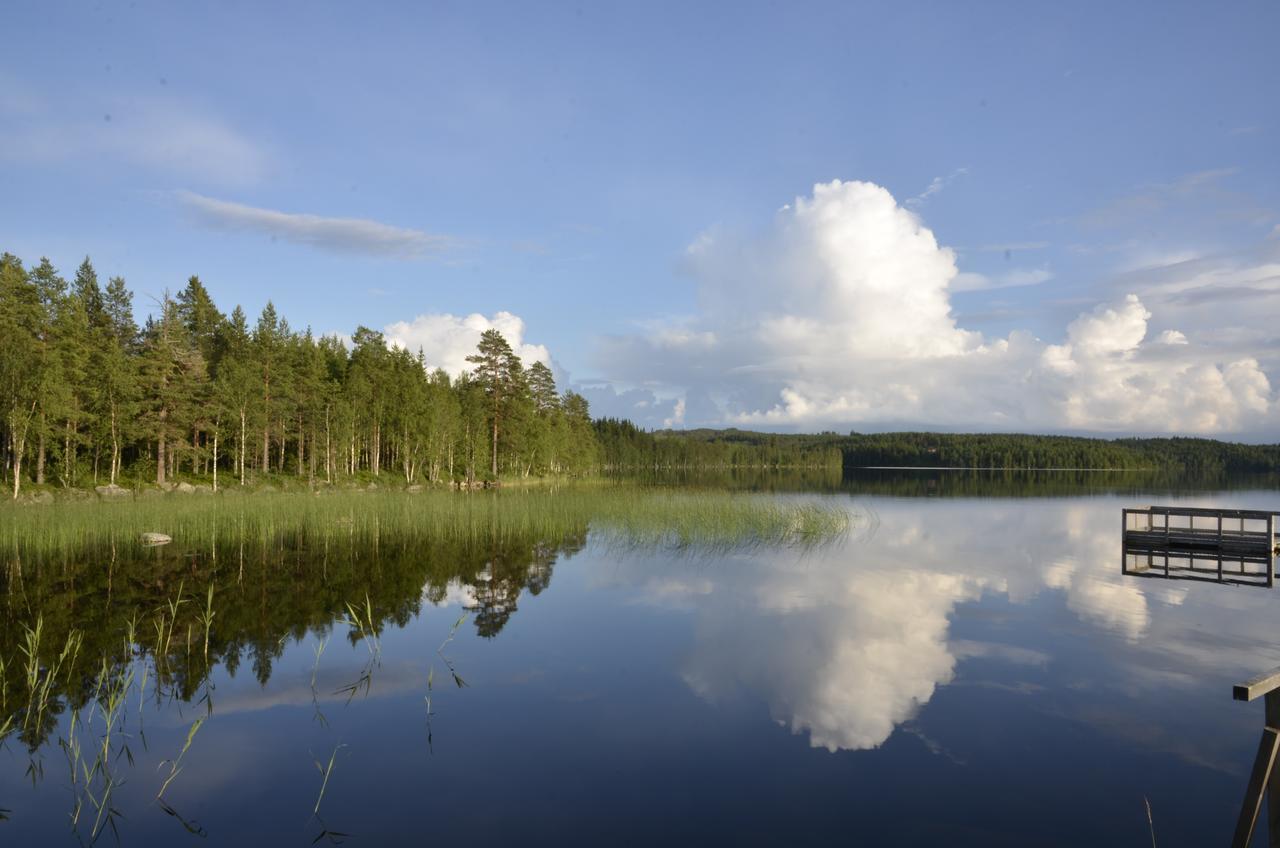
[(620, 515)]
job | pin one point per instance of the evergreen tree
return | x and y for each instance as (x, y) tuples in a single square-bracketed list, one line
[(86, 288), (22, 359), (237, 388), (115, 367), (499, 373), (172, 370)]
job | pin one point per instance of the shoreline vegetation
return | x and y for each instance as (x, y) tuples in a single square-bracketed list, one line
[(618, 515), (90, 402)]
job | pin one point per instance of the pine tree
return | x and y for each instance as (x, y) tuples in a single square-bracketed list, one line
[(237, 388), (172, 370), (22, 358), (499, 373), (115, 369), (86, 288)]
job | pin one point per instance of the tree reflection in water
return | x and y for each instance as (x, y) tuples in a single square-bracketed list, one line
[(88, 640)]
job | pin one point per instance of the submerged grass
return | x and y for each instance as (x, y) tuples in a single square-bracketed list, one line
[(621, 516)]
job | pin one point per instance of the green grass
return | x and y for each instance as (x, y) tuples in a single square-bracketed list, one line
[(621, 516)]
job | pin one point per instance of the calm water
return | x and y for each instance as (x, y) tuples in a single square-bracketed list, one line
[(969, 670)]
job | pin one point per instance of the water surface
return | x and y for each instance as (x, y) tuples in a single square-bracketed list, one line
[(973, 669)]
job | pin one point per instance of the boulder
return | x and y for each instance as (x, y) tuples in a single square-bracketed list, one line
[(153, 539), (185, 488), (111, 491), (415, 488)]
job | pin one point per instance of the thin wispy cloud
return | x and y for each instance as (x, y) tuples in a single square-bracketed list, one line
[(1196, 192), (970, 281), (158, 133), (341, 235), (934, 187), (1011, 247)]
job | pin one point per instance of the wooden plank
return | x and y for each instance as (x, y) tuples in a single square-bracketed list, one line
[(1273, 782), (1185, 511), (1260, 685), (1263, 765)]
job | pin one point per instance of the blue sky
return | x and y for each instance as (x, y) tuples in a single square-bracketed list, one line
[(558, 161)]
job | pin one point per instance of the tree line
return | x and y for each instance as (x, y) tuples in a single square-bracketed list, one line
[(622, 444), (91, 398)]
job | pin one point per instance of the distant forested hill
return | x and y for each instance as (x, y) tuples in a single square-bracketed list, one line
[(623, 445)]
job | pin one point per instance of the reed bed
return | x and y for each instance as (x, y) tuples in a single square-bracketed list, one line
[(621, 517)]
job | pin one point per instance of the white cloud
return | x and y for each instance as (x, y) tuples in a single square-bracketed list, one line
[(936, 185), (447, 340), (845, 645), (839, 314), (344, 235), (970, 281), (157, 133)]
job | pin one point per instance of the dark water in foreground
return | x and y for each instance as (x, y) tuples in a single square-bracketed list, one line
[(962, 670)]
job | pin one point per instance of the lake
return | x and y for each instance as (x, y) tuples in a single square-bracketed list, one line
[(966, 664)]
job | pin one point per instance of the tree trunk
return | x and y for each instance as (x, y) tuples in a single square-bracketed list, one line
[(328, 476), (494, 458), (215, 460), (160, 460), (18, 438), (68, 459), (115, 445), (242, 444), (40, 449)]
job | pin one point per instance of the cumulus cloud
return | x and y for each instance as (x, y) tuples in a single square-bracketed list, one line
[(848, 667), (343, 235), (447, 340), (840, 314), (847, 644)]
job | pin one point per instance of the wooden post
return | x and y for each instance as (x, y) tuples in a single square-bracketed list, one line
[(1271, 542), (1273, 781), (1264, 778), (1270, 557), (1263, 765), (1124, 528)]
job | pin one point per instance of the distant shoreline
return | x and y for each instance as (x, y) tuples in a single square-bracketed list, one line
[(984, 468)]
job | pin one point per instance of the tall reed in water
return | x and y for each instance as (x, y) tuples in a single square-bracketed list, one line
[(619, 515)]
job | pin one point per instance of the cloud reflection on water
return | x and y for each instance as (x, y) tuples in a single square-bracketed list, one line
[(845, 645)]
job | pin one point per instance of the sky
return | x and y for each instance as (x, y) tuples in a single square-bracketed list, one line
[(988, 216)]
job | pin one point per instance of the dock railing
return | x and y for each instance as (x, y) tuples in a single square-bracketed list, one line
[(1230, 545)]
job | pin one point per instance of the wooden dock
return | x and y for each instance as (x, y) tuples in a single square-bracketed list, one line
[(1191, 543)]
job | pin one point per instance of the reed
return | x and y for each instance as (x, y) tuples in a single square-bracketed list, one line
[(621, 515)]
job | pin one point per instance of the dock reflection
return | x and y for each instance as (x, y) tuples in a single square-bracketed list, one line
[(1175, 563), (1232, 546)]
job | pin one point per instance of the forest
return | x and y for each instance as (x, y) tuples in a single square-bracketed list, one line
[(90, 398), (1003, 451)]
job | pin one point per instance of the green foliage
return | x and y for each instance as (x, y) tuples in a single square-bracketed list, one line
[(95, 400), (87, 399), (626, 447)]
